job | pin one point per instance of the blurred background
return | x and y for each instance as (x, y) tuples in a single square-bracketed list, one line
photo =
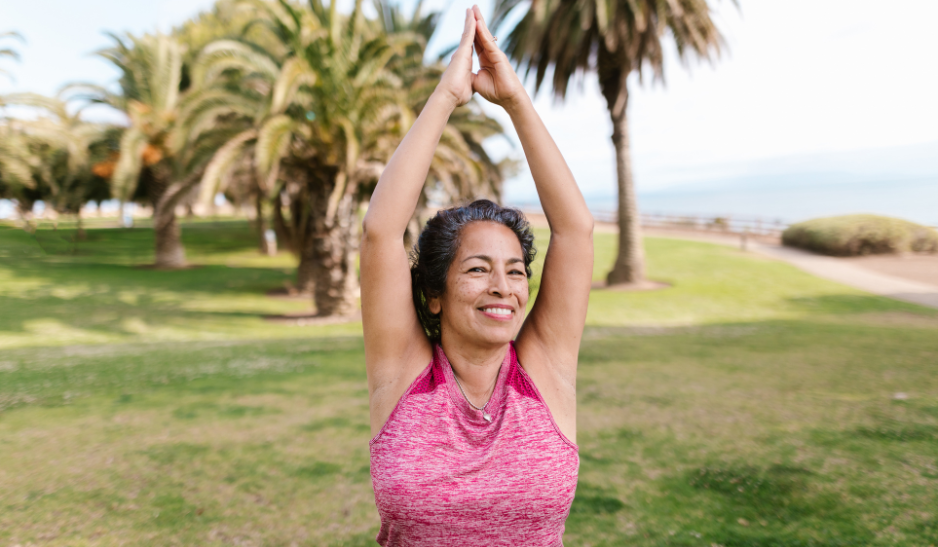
[(801, 116), (181, 185)]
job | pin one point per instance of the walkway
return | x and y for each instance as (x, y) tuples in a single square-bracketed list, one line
[(834, 269), (839, 270)]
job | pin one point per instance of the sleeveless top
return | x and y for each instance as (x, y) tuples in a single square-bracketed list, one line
[(443, 476)]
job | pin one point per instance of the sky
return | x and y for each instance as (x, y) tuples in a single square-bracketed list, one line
[(825, 91)]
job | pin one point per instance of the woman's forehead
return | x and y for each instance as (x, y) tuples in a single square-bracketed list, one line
[(489, 239)]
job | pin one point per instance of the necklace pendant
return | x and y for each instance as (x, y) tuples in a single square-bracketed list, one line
[(486, 416)]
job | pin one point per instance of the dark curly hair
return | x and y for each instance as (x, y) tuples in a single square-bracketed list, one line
[(437, 246)]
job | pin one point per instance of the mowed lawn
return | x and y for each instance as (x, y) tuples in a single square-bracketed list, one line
[(749, 404)]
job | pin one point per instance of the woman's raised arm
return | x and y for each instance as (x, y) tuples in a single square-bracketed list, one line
[(396, 349), (549, 341)]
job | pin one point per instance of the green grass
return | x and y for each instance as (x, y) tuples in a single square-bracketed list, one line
[(100, 292), (747, 405)]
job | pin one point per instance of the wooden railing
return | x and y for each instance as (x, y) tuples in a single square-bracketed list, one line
[(734, 224), (731, 224)]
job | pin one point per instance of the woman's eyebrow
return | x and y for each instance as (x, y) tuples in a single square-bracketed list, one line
[(489, 259), (486, 258)]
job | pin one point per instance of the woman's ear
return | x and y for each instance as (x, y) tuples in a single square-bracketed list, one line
[(434, 305)]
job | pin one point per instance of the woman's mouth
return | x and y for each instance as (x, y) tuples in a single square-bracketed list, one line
[(497, 313)]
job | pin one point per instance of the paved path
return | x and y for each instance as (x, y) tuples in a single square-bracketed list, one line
[(854, 276), (835, 269)]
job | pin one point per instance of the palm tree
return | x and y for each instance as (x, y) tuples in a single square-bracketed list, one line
[(8, 51), (614, 38), (315, 112), (62, 141), (319, 108), (150, 96), (18, 161)]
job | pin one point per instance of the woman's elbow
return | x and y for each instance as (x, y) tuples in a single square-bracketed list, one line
[(370, 228), (580, 227)]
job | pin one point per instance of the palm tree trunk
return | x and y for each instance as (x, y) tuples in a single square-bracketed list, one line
[(334, 246), (260, 223), (306, 270), (285, 238), (629, 266), (169, 250), (330, 243), (80, 234), (165, 196)]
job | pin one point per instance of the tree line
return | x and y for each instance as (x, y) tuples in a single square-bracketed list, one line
[(295, 108)]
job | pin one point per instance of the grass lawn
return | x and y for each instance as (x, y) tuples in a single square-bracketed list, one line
[(750, 404)]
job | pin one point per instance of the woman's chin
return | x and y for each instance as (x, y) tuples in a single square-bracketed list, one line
[(499, 335)]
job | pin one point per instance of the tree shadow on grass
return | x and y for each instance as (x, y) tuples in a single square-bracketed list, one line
[(124, 245), (845, 304), (53, 376), (102, 298)]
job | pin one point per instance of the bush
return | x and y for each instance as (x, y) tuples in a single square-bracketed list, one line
[(853, 235)]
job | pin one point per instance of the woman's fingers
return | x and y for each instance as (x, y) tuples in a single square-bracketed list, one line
[(469, 32), (484, 38)]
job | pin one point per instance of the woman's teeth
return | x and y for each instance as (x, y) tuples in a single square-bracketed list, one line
[(497, 311)]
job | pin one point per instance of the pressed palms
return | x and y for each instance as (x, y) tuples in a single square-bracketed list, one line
[(614, 38), (461, 169)]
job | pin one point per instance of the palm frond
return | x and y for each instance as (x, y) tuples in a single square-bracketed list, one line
[(221, 163), (272, 140), (127, 171)]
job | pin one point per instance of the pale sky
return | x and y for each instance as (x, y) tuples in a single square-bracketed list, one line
[(799, 79)]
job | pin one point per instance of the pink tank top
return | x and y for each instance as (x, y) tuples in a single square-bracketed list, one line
[(443, 476)]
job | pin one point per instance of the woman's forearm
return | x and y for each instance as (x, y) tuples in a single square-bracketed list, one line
[(395, 197), (560, 196)]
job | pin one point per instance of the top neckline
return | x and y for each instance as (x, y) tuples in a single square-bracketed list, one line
[(494, 405)]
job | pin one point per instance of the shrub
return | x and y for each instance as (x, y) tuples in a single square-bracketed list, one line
[(852, 235)]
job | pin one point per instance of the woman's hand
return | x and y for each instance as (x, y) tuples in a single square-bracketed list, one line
[(496, 80), (456, 83)]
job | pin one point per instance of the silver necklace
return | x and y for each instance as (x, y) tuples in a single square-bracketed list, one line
[(485, 415)]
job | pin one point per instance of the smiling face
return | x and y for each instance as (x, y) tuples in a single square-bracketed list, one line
[(486, 287)]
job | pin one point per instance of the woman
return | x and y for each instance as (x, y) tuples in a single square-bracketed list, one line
[(478, 447)]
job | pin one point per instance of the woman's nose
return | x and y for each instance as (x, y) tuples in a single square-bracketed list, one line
[(499, 284)]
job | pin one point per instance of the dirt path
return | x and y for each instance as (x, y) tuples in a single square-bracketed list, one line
[(850, 272), (921, 268), (908, 278)]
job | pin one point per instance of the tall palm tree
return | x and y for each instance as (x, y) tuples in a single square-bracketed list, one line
[(614, 38), (319, 110), (315, 110), (150, 96)]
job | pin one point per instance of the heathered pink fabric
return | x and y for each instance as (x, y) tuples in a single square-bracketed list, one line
[(443, 476)]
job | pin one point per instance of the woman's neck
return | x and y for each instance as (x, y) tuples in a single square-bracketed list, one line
[(476, 367)]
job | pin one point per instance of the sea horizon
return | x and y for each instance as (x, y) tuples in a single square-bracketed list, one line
[(915, 200)]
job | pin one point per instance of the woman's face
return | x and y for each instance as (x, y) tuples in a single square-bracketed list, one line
[(486, 287)]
